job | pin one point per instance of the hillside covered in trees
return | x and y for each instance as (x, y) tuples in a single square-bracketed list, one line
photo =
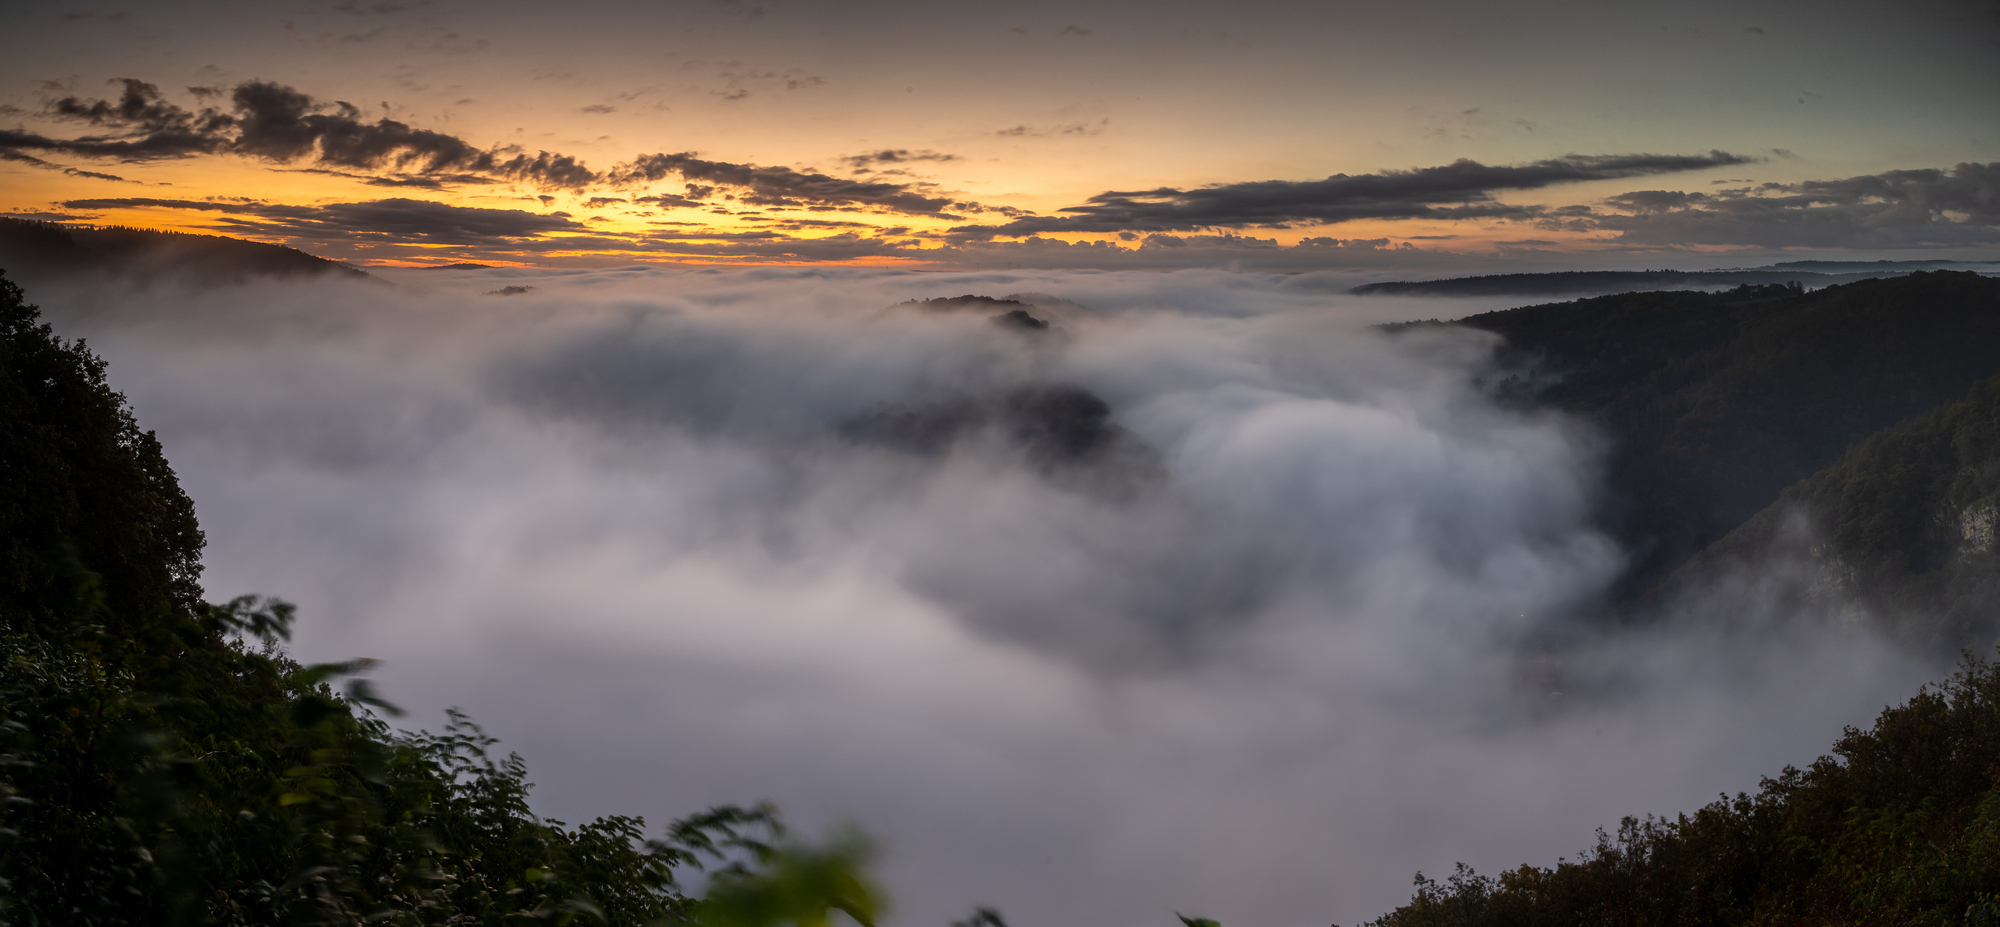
[(1900, 528), (40, 252), (1713, 403), (1855, 431), (1900, 825), (163, 761), (1810, 274)]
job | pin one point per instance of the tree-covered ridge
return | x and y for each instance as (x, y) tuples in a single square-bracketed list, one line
[(1714, 403), (1901, 527), (52, 250), (1595, 282), (1899, 826), (162, 761)]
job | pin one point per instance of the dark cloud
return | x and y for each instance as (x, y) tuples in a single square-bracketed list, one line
[(868, 160), (502, 232), (1461, 190), (130, 202), (782, 186), (1893, 209), (94, 175), (403, 220), (363, 9), (147, 126), (670, 201), (427, 221), (6, 155), (417, 181), (1653, 201), (1073, 128), (278, 123)]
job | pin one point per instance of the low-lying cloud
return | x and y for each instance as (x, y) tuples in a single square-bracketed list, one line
[(1892, 210), (1200, 596)]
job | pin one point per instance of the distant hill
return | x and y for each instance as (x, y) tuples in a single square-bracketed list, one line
[(1811, 274), (36, 252), (1716, 402)]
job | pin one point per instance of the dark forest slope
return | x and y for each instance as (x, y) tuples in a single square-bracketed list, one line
[(37, 252), (1811, 274), (1714, 403), (1902, 526), (1899, 826)]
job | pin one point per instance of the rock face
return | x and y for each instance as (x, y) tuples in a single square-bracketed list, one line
[(1975, 528)]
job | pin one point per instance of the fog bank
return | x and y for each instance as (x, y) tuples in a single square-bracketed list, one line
[(1206, 597)]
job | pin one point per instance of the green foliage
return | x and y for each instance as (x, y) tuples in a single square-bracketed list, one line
[(76, 471), (797, 885), (1901, 825), (162, 761)]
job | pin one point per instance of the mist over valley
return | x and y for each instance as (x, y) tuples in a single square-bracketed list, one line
[(1202, 586)]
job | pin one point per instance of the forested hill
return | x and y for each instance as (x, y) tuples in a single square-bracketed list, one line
[(1899, 826), (1714, 403), (1900, 530), (37, 252), (1810, 274), (1855, 432)]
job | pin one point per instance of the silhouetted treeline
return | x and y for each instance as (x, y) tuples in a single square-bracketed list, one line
[(162, 761), (1811, 274), (49, 251)]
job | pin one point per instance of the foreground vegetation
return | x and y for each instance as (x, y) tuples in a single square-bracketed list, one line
[(1901, 825), (162, 761)]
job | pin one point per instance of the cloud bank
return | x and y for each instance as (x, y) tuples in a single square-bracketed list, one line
[(1461, 190), (1893, 209), (1198, 596)]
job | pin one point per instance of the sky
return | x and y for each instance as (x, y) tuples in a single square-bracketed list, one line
[(1283, 136)]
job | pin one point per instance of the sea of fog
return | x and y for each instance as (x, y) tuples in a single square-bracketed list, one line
[(1208, 598)]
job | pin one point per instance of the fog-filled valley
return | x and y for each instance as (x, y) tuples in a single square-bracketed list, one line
[(1112, 596)]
